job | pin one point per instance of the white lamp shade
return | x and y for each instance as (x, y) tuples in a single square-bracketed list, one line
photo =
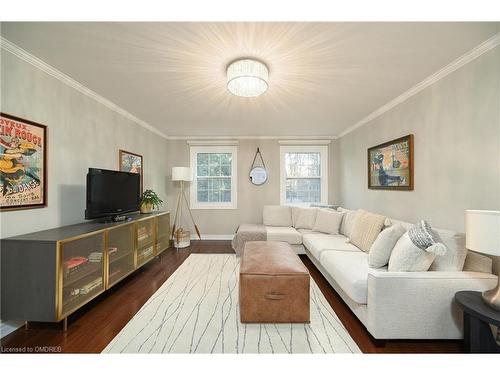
[(182, 174), (482, 231)]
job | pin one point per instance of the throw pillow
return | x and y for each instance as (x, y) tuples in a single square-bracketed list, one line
[(328, 221), (306, 218), (365, 229), (454, 259), (381, 250), (347, 221), (416, 249), (277, 216)]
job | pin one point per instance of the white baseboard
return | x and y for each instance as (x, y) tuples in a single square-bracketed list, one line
[(9, 326), (213, 237)]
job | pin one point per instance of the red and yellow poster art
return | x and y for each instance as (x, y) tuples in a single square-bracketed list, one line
[(23, 155)]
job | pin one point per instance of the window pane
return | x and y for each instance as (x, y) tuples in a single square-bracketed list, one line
[(303, 190), (226, 158), (214, 160), (202, 184), (202, 170), (214, 170), (226, 196), (303, 164), (214, 196), (202, 196), (202, 159), (226, 170)]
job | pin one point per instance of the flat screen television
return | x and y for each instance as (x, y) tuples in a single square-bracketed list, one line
[(111, 193)]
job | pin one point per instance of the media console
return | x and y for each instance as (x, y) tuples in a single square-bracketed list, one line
[(47, 275)]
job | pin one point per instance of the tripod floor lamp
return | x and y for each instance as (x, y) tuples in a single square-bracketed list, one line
[(182, 174)]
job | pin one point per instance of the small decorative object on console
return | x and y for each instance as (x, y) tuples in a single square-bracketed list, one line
[(149, 201)]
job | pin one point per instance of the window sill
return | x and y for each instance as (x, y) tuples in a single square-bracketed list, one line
[(213, 207)]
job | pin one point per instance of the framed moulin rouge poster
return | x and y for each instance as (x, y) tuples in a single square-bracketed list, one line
[(23, 164)]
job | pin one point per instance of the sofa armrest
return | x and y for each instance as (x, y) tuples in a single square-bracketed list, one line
[(419, 305)]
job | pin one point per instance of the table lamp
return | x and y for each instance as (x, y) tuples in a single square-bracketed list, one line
[(482, 231), (182, 174)]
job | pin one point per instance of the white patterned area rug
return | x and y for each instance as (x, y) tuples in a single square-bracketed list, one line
[(196, 311)]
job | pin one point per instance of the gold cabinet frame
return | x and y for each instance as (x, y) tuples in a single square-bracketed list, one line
[(106, 261)]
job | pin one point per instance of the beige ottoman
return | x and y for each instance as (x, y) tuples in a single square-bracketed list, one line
[(274, 284)]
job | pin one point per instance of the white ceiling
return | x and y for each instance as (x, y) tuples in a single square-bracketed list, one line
[(324, 77)]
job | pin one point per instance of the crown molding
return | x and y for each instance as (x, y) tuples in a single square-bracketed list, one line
[(473, 54), (249, 137), (17, 51), (316, 142), (214, 142)]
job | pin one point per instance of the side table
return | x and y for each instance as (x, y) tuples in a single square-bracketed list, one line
[(478, 316)]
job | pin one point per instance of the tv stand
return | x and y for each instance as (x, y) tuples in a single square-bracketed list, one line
[(48, 275), (114, 219)]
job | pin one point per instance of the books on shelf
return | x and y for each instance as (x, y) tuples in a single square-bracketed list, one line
[(91, 285), (74, 264), (143, 234), (112, 251), (95, 257), (146, 252)]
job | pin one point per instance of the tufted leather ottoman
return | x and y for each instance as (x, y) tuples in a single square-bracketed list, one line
[(274, 284)]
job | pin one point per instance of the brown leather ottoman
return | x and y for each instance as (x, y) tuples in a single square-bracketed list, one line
[(274, 284)]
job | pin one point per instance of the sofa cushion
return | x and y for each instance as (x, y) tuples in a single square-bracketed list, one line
[(381, 250), (295, 215), (347, 221), (454, 258), (316, 243), (284, 234), (328, 221), (350, 270), (366, 228), (404, 224), (306, 218), (278, 216)]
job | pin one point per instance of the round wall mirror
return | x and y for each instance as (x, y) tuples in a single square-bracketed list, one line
[(258, 175)]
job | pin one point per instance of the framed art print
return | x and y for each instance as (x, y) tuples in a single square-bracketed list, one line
[(23, 163), (130, 162), (390, 165)]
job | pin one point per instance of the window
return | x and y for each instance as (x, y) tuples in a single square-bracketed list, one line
[(304, 175), (214, 184)]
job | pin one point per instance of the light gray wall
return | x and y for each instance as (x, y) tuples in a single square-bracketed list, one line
[(251, 198), (82, 133), (457, 149)]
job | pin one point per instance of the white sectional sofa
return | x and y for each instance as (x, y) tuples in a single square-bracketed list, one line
[(391, 305)]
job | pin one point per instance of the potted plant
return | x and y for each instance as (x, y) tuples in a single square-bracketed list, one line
[(149, 200)]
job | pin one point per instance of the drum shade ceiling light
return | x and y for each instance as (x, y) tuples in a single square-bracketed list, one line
[(247, 78)]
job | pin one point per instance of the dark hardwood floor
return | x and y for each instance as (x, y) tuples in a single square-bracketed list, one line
[(91, 328)]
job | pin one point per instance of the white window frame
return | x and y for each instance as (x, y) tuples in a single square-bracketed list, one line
[(194, 151), (323, 150)]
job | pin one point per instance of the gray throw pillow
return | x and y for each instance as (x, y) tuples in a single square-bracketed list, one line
[(416, 249), (381, 250)]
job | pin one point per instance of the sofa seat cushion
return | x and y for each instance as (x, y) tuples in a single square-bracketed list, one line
[(350, 270), (284, 234), (317, 243), (305, 231)]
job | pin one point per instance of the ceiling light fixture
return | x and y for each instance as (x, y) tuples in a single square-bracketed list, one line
[(247, 77)]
